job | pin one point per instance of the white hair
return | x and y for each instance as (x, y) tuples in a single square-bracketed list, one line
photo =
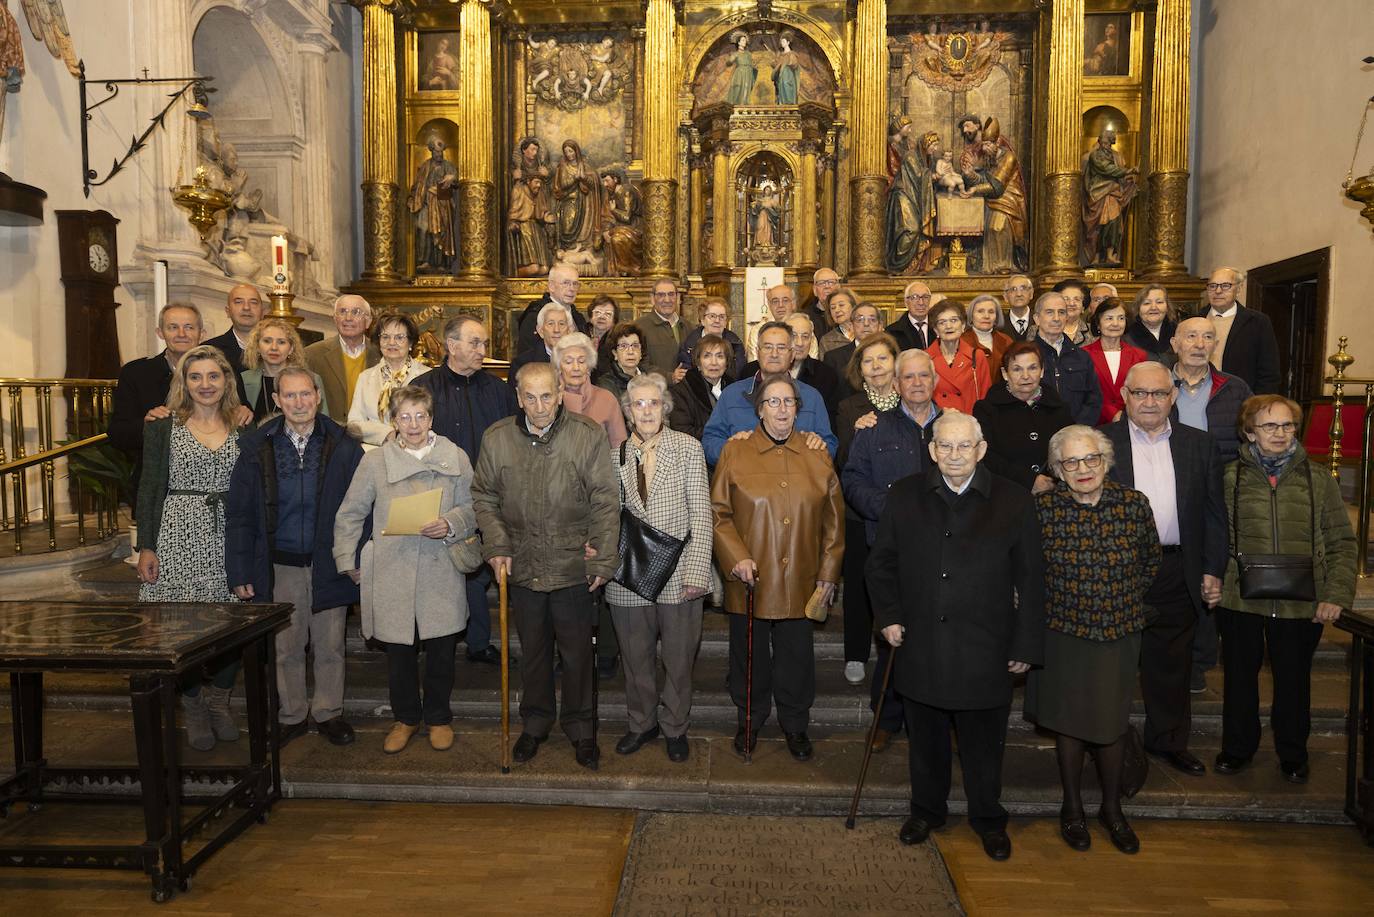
[(550, 308), (569, 341), (950, 417)]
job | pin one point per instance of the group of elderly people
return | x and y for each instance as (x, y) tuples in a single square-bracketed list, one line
[(993, 506)]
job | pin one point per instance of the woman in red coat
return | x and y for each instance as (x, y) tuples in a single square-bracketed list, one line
[(1112, 356), (963, 374)]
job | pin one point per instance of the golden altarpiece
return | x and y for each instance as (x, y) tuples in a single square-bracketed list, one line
[(958, 141)]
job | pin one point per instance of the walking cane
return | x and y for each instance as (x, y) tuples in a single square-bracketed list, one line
[(596, 671), (505, 673), (749, 674), (868, 746)]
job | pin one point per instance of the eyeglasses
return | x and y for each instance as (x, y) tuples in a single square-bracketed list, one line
[(774, 348), (417, 417), (1093, 460), (776, 402), (645, 403), (918, 297), (629, 345), (1020, 288), (1269, 429), (951, 448), (665, 294), (1146, 394), (401, 338), (355, 312), (1219, 287)]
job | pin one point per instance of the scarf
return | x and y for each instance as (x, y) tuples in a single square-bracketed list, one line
[(1273, 465), (882, 402), (391, 381)]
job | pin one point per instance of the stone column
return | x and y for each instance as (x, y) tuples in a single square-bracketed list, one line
[(381, 196), (174, 147), (1167, 195), (476, 179), (315, 219), (1063, 133), (868, 185), (659, 189)]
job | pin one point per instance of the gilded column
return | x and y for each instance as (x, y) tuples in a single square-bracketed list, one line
[(808, 221), (869, 185), (380, 193), (1063, 132), (722, 224), (659, 189), (1168, 181), (476, 178), (697, 207)]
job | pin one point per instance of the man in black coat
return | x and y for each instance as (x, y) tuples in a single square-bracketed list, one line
[(817, 306), (244, 308), (562, 288), (1179, 469), (957, 567), (1017, 293), (866, 321), (1067, 368), (1246, 345), (555, 321), (911, 329)]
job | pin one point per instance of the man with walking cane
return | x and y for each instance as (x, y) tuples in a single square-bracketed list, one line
[(956, 577), (548, 506)]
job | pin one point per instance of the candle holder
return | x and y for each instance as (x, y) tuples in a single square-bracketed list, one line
[(202, 202), (282, 308)]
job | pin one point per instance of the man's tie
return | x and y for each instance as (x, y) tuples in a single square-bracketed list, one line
[(1020, 327), (925, 338)]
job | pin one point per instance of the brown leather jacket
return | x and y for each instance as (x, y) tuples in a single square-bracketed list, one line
[(781, 507)]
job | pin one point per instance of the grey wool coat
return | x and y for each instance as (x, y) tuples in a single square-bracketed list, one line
[(408, 581)]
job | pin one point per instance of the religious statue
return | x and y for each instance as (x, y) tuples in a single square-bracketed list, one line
[(744, 74), (786, 72), (995, 176), (431, 200), (442, 70), (1108, 189), (572, 75), (898, 138), (610, 70), (529, 161), (765, 216), (622, 225), (228, 250), (544, 62), (577, 198), (48, 22), (527, 227), (911, 244)]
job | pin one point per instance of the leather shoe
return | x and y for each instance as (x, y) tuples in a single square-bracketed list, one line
[(1123, 838), (1294, 772), (489, 656), (997, 845), (1185, 762), (739, 741), (632, 742), (441, 737), (1229, 764), (678, 748), (586, 753), (291, 731), (336, 731), (799, 745), (399, 737), (1075, 833), (526, 747), (915, 830), (881, 739)]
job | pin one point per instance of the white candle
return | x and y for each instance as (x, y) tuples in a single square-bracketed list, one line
[(280, 276), (159, 286)]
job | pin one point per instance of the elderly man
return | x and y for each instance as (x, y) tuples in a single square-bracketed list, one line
[(548, 505), (663, 331), (892, 447), (782, 302), (866, 321), (957, 564), (805, 367), (1179, 469), (911, 330), (1096, 296), (287, 486), (1017, 293), (341, 358), (824, 282), (467, 401), (715, 319), (1067, 368), (1246, 346), (562, 288), (554, 321), (734, 413)]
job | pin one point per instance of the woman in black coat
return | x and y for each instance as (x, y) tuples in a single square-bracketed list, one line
[(1018, 419), (695, 396), (1152, 324)]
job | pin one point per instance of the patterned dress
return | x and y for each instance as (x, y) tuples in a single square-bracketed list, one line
[(190, 543)]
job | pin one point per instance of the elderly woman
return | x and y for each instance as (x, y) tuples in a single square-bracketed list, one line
[(1112, 356), (841, 306), (574, 356), (984, 315), (963, 374), (872, 374), (413, 595), (779, 531), (625, 344), (1019, 417), (273, 345), (695, 396), (395, 335), (1278, 502), (602, 315), (1152, 324), (1093, 623), (663, 482)]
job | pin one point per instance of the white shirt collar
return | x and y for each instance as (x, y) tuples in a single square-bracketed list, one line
[(353, 352), (958, 491), (1229, 313)]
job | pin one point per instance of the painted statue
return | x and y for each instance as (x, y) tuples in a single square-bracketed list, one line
[(765, 215), (527, 227), (898, 139), (431, 201), (996, 177), (622, 225), (786, 73), (48, 23), (1108, 189), (744, 74), (442, 70), (910, 225), (577, 199)]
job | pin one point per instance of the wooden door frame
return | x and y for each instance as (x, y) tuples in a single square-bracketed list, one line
[(1316, 262)]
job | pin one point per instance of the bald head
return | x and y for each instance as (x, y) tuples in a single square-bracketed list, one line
[(352, 315), (824, 282), (1017, 291), (1194, 341)]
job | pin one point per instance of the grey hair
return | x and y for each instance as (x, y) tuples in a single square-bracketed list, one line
[(286, 371), (915, 353), (1146, 365), (1044, 298), (984, 297), (951, 416), (568, 342), (654, 381), (1112, 288), (1099, 440), (367, 306), (453, 328), (551, 307), (190, 307)]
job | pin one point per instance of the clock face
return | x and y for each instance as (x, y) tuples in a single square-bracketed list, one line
[(100, 258)]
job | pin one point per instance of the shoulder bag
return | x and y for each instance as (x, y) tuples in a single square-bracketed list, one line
[(1286, 577), (648, 556)]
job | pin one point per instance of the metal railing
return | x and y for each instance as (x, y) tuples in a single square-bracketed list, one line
[(30, 455), (1340, 361)]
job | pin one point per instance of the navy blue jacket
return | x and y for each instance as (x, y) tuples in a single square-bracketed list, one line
[(465, 406), (879, 457), (1070, 372), (251, 512)]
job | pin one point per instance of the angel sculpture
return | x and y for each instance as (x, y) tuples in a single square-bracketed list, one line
[(48, 23)]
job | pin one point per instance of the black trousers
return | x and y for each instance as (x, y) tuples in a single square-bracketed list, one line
[(858, 614), (1291, 643), (403, 680), (784, 670), (1166, 659), (893, 714), (982, 739), (566, 617)]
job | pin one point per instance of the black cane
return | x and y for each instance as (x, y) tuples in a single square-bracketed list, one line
[(749, 674), (596, 673), (868, 746)]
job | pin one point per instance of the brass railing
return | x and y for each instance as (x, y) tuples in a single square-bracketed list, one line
[(1340, 361), (30, 455)]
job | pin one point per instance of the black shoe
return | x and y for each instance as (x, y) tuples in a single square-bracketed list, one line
[(1075, 833), (290, 731), (632, 742), (678, 748), (336, 731), (489, 656), (1123, 838), (1184, 762), (1294, 772), (1229, 764), (799, 745), (915, 830), (526, 747), (586, 753), (739, 741), (997, 845), (607, 666)]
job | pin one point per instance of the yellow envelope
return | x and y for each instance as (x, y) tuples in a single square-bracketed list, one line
[(411, 513)]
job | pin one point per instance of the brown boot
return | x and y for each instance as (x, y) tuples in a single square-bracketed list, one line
[(399, 737), (441, 737)]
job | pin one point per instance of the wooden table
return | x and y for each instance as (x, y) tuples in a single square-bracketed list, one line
[(155, 645), (1359, 777)]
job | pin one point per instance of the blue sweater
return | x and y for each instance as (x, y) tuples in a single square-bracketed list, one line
[(734, 413)]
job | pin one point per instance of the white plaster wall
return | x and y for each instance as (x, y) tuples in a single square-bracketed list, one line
[(1279, 94)]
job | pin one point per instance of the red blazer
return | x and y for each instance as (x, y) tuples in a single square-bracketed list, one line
[(1112, 402), (964, 384)]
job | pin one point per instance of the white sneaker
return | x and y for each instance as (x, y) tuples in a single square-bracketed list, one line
[(854, 673)]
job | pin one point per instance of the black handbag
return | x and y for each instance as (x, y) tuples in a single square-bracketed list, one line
[(648, 556), (1286, 577)]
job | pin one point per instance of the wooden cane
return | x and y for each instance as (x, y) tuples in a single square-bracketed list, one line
[(505, 672), (749, 675), (868, 746)]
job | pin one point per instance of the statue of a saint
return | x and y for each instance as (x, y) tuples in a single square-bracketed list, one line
[(576, 193), (911, 244), (786, 72), (442, 70), (622, 225), (1108, 189), (898, 139), (765, 215), (745, 73), (527, 227), (431, 200), (996, 177)]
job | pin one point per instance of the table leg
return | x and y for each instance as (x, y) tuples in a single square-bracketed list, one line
[(260, 692), (172, 862), (26, 712), (146, 701)]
